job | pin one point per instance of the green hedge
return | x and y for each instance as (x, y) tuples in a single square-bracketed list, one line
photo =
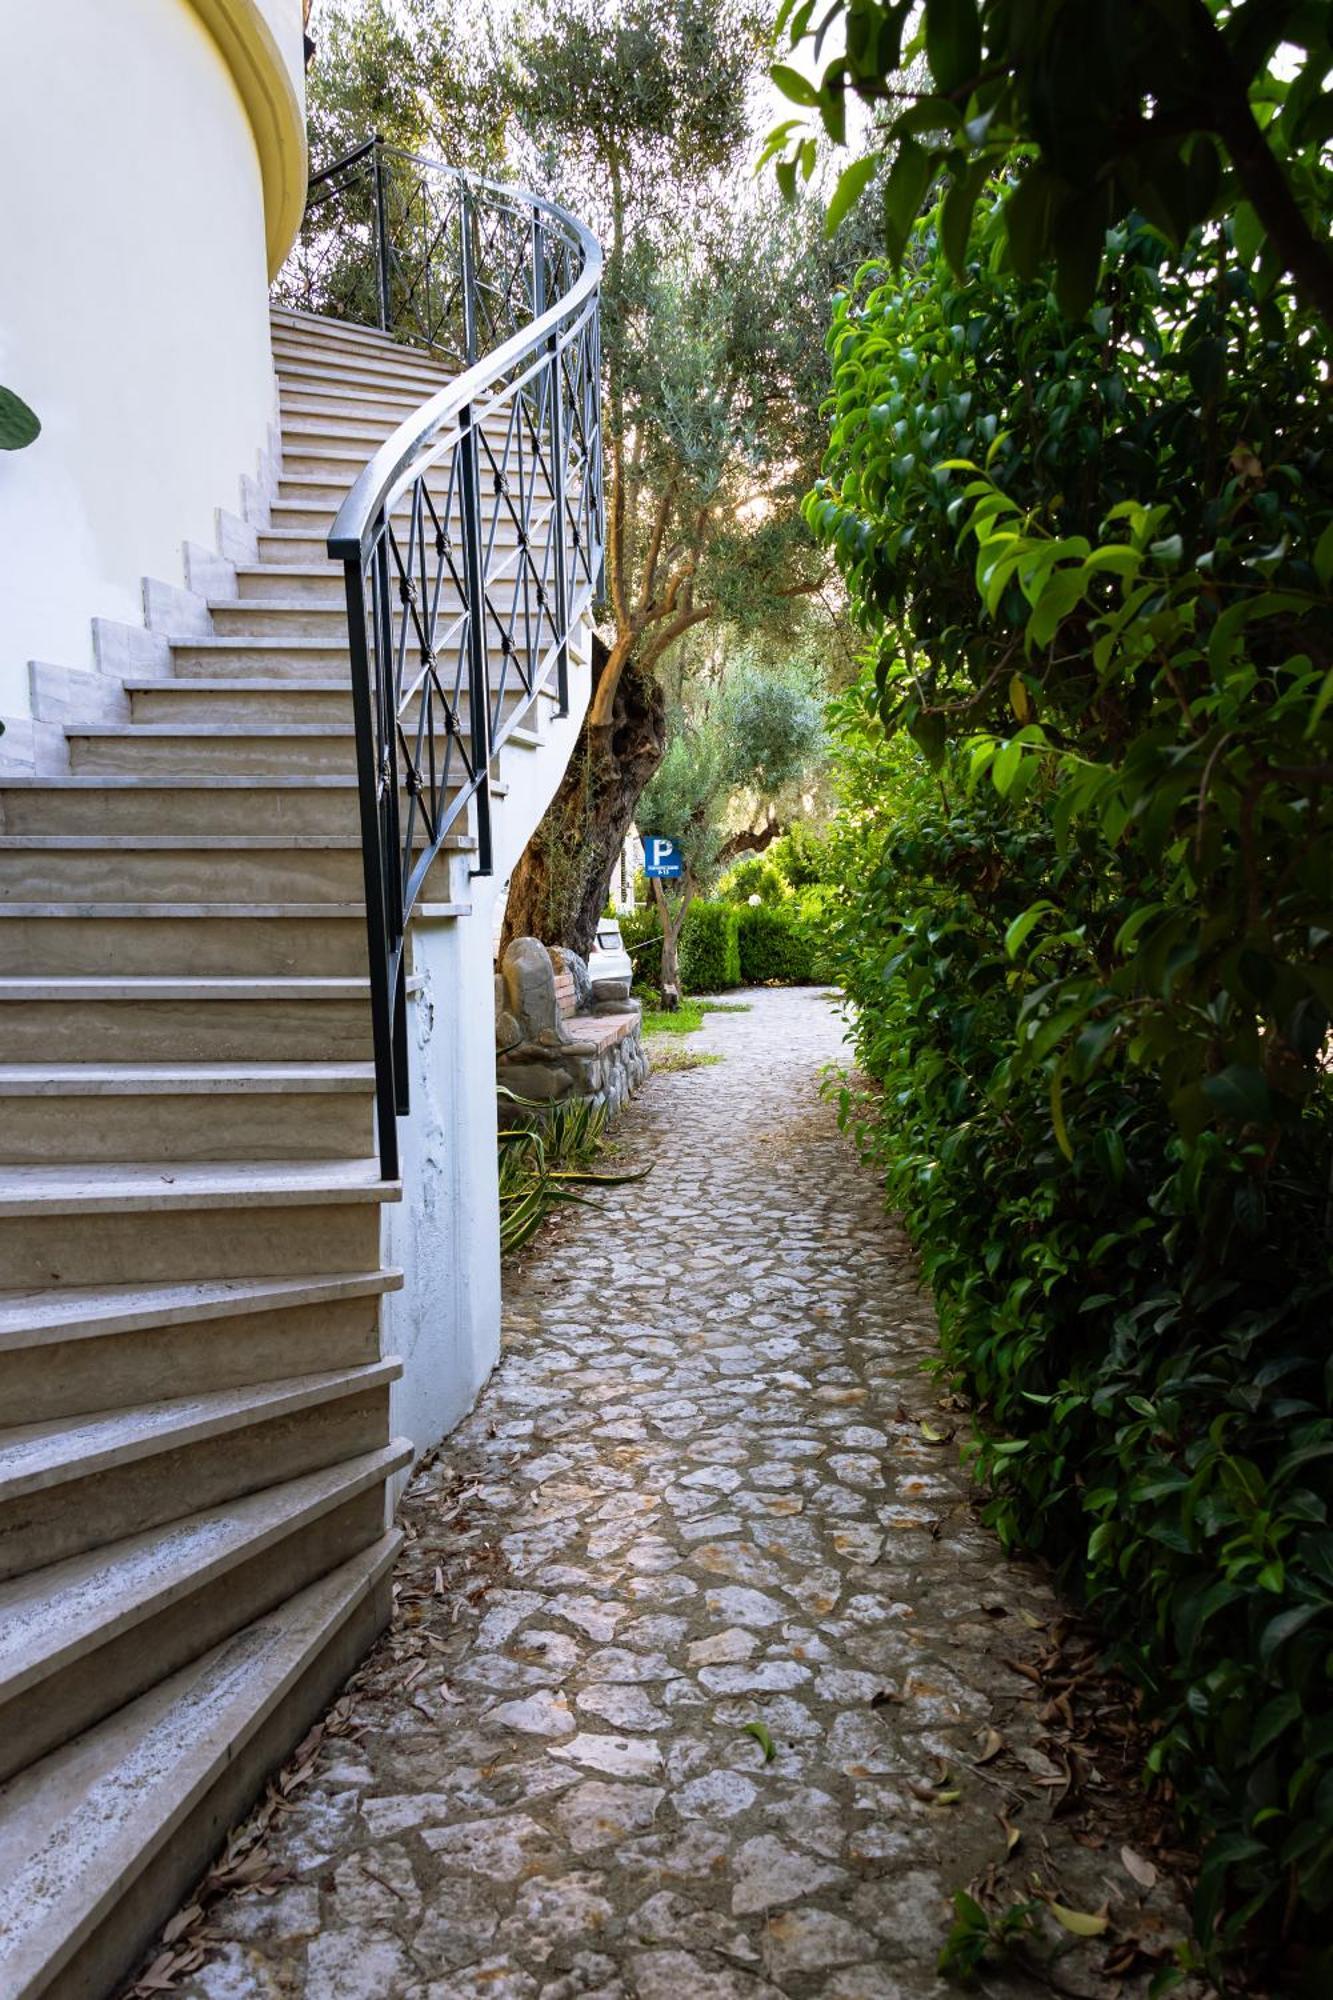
[(722, 946), (710, 959), (709, 949), (642, 937), (1143, 1333), (776, 946)]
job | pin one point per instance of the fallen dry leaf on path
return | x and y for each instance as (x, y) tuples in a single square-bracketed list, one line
[(1143, 1871)]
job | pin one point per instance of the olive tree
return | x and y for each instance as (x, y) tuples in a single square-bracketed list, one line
[(417, 74), (742, 747), (715, 305)]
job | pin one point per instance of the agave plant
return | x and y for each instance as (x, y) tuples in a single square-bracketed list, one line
[(546, 1161), (18, 424)]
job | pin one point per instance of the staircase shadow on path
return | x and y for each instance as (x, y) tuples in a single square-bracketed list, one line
[(695, 1496)]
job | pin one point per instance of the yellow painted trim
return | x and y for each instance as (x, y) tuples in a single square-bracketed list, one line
[(273, 107)]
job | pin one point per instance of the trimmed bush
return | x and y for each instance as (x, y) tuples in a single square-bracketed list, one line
[(710, 959), (776, 947)]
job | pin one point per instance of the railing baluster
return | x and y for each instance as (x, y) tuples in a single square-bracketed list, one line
[(373, 871), (381, 238), (479, 698), (561, 581), (468, 264)]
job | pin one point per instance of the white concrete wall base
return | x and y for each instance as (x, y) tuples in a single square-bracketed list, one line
[(445, 1233)]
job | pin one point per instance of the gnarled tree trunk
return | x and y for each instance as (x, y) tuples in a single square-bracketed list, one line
[(559, 888)]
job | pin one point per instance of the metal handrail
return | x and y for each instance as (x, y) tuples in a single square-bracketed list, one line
[(525, 414)]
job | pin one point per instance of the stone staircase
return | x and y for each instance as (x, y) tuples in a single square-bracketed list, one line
[(194, 1461)]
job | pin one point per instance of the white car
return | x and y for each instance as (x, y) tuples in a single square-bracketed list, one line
[(608, 958)]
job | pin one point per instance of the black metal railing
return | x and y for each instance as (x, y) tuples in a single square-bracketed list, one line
[(472, 542)]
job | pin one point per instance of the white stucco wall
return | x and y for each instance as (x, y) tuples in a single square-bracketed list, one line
[(133, 312), (444, 1234)]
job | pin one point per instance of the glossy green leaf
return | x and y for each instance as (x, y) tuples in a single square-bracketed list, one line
[(852, 184), (794, 86)]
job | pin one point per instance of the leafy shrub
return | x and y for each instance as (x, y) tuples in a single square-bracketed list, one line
[(803, 857), (710, 959), (752, 877), (817, 910), (775, 947), (546, 1154), (1090, 951), (1144, 1330), (709, 952)]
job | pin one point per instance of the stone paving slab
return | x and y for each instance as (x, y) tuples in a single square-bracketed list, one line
[(701, 1656)]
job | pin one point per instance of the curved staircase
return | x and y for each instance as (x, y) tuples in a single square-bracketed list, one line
[(195, 1535)]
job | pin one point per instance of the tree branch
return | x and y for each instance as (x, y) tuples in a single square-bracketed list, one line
[(691, 615), (615, 568), (1309, 262), (655, 540), (601, 709), (750, 840)]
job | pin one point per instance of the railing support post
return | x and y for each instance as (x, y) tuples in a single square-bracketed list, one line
[(468, 260), (385, 943), (555, 407), (479, 699), (381, 236)]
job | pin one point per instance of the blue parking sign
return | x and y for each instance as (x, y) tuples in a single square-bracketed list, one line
[(662, 858)]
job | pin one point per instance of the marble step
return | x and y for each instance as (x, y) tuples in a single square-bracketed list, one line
[(77, 1482), (105, 1019), (173, 1112), (186, 1223), (82, 1637), (203, 803), (73, 1349), (100, 1840)]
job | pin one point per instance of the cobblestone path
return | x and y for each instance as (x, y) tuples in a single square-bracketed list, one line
[(702, 1685)]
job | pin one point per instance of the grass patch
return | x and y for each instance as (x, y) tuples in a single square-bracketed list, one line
[(668, 1056), (689, 1016)]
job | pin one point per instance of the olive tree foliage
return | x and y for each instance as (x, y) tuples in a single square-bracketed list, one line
[(715, 308), (742, 747), (414, 72), (1181, 111)]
